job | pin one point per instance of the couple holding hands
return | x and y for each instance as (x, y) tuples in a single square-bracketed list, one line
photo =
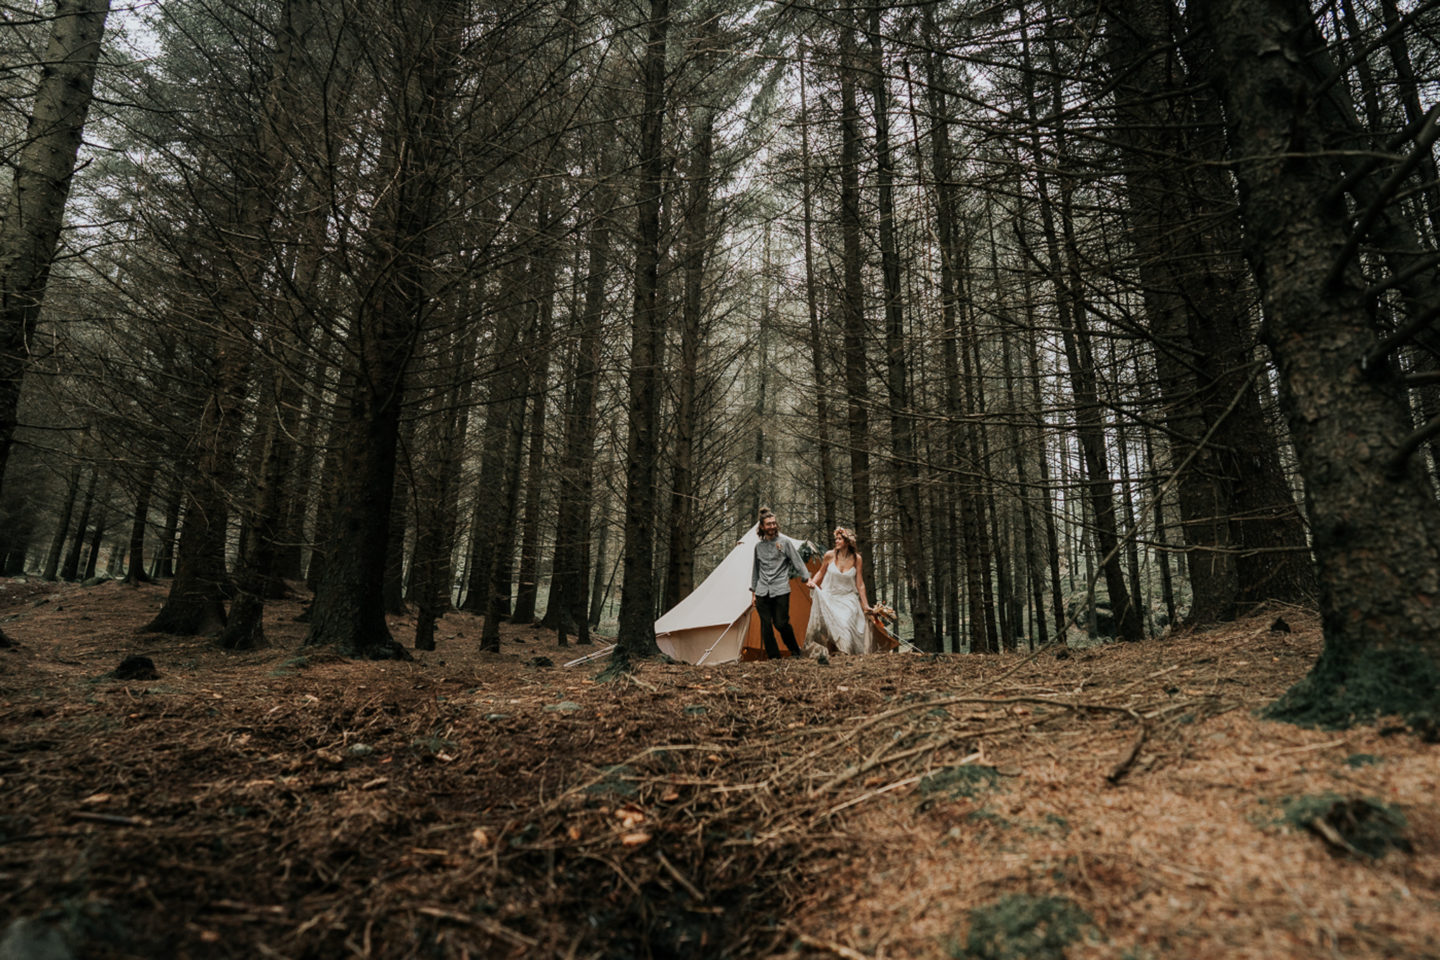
[(838, 613)]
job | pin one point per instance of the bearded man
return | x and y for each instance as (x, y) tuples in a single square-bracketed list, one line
[(776, 561)]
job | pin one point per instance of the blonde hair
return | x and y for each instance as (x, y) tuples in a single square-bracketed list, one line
[(848, 535)]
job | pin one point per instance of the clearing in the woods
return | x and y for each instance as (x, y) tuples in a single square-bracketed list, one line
[(1117, 801)]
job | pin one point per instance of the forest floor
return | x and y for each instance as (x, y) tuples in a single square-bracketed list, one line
[(1117, 801)]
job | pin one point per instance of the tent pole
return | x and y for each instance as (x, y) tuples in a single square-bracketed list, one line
[(711, 648)]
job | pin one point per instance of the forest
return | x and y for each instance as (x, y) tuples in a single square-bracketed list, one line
[(366, 365)]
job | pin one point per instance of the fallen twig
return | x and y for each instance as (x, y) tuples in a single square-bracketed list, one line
[(1309, 747), (680, 878), (492, 927), (854, 801), (113, 819), (840, 950), (1123, 767)]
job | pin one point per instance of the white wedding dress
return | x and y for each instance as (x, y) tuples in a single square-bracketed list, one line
[(835, 615)]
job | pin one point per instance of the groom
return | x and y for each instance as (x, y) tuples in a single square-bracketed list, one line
[(776, 561)]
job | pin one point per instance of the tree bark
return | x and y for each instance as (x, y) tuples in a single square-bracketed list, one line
[(637, 605), (812, 308), (506, 511), (680, 569), (958, 429), (92, 558), (1074, 328), (437, 477), (244, 628), (62, 528), (1376, 531), (392, 590), (143, 491), (195, 603), (852, 300), (542, 285), (1235, 503), (505, 390), (163, 566), (35, 209), (70, 570), (572, 539), (902, 424), (348, 612), (599, 589)]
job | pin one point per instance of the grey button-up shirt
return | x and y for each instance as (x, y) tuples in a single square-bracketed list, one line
[(774, 562)]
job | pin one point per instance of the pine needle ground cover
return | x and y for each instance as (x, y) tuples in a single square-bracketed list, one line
[(1124, 801)]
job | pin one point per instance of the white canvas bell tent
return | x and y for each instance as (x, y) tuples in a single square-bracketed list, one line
[(716, 623)]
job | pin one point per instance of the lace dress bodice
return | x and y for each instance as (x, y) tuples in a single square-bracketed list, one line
[(840, 581)]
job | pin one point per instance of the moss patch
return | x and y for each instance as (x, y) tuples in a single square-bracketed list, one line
[(1345, 690), (1022, 927), (1355, 824), (1357, 760), (987, 817), (968, 780), (434, 746), (616, 782)]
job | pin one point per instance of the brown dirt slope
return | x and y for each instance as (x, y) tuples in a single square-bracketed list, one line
[(1121, 801)]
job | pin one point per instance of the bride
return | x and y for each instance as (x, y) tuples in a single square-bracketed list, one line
[(838, 605)]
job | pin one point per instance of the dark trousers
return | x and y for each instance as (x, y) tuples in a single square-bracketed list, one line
[(775, 614)]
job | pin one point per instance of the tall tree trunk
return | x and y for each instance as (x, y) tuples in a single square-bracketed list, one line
[(637, 606), (163, 566), (70, 570), (62, 527), (1376, 531), (1090, 428), (1019, 447), (543, 291), (1162, 550), (1235, 503), (143, 491), (572, 538), (392, 592), (957, 390), (195, 603), (527, 580), (437, 477), (759, 488), (35, 209), (275, 514), (244, 629), (502, 556), (1074, 328), (92, 559), (599, 590), (298, 482), (852, 300), (1132, 540), (902, 424), (977, 453), (680, 570), (812, 308), (348, 612), (504, 391), (321, 545)]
